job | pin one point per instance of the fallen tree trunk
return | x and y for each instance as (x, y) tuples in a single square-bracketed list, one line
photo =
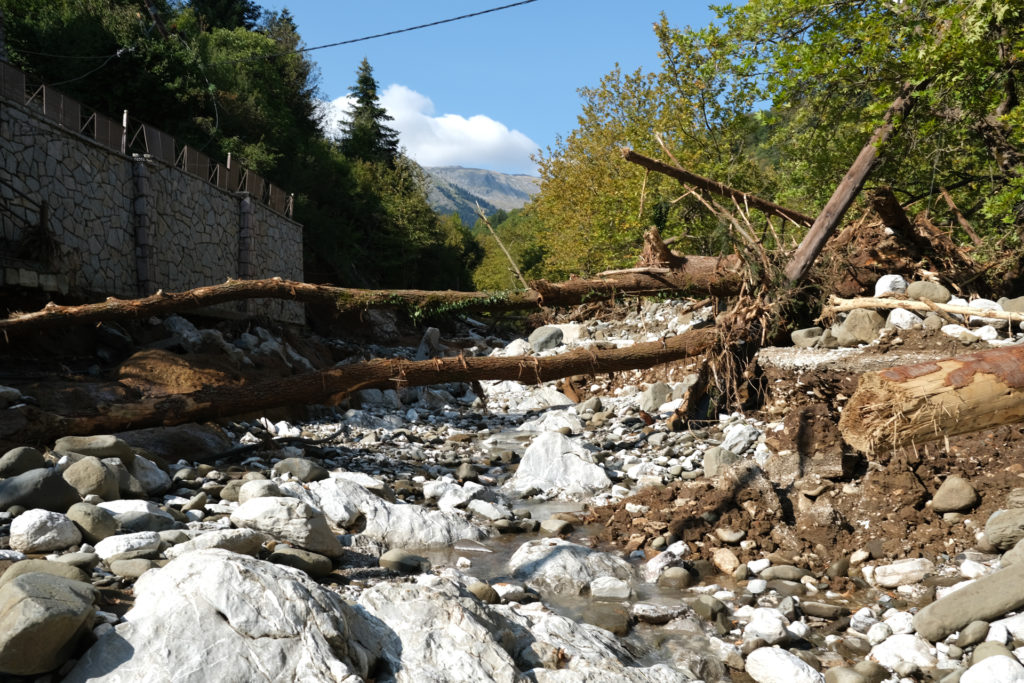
[(912, 404), (837, 305), (715, 187), (28, 425), (701, 275)]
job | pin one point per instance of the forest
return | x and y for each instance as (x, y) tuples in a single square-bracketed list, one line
[(775, 97)]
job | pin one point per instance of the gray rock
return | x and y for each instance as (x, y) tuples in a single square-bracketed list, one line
[(289, 520), (100, 446), (903, 572), (954, 495), (123, 546), (40, 531), (258, 488), (1005, 527), (925, 289), (716, 459), (430, 345), (153, 480), (610, 617), (404, 562), (555, 463), (132, 568), (544, 338), (20, 460), (231, 490), (303, 469), (192, 442), (972, 634), (38, 488), (676, 577), (786, 572), (988, 598), (862, 325), (484, 592), (84, 561), (807, 337), (94, 522), (990, 648), (139, 515), (844, 674), (558, 566), (242, 541), (9, 395), (42, 617), (314, 564), (553, 526), (1015, 305), (61, 569), (262, 617), (653, 396), (739, 437), (88, 476)]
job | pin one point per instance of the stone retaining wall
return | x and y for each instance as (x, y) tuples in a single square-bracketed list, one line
[(126, 226)]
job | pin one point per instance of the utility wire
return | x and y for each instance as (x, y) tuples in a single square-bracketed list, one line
[(381, 35)]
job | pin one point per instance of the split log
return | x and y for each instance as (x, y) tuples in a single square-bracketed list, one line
[(701, 275), (837, 305), (912, 404), (29, 425), (717, 188), (844, 194)]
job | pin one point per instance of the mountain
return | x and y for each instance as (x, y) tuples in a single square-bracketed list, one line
[(457, 190)]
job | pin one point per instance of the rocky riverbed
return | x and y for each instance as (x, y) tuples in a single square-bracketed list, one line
[(500, 531)]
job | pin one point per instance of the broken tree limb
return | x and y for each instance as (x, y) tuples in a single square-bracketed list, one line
[(715, 187), (826, 222), (837, 305), (912, 404), (960, 218), (699, 275), (29, 425)]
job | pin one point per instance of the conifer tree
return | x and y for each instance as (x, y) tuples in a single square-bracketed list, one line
[(366, 135)]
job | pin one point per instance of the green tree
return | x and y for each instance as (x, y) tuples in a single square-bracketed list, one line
[(228, 13), (365, 133)]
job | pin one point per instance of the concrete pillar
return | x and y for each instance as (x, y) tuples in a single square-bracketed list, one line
[(246, 268), (141, 224)]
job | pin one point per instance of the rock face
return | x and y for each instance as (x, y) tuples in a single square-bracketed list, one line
[(213, 615), (554, 462), (41, 619), (558, 566), (290, 520)]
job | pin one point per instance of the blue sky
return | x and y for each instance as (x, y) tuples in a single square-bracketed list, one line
[(489, 91)]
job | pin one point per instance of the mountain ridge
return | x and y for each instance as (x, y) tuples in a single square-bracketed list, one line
[(455, 189)]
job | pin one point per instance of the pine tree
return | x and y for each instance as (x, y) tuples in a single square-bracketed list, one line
[(366, 135)]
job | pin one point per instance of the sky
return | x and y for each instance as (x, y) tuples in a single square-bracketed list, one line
[(489, 91)]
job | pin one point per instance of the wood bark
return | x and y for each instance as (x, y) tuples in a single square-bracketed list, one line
[(844, 194), (913, 404), (29, 425), (715, 187), (699, 275)]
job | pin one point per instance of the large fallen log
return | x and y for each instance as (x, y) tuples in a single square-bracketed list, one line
[(697, 275), (28, 425), (912, 404)]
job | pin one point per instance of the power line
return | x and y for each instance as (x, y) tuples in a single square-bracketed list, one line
[(381, 35)]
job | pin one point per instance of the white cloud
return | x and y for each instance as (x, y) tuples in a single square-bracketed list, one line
[(449, 139)]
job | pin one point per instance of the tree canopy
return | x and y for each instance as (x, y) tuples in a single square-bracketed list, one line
[(365, 133)]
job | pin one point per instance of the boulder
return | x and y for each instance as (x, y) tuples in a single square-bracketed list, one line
[(556, 463), (558, 566), (38, 488), (20, 460), (94, 522), (924, 289), (100, 446), (289, 520), (88, 476), (40, 531), (956, 494), (61, 569), (242, 541), (303, 469), (545, 338), (154, 480)]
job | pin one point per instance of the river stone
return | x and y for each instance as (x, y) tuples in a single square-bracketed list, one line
[(258, 488), (807, 337), (956, 494), (20, 460), (844, 674), (558, 566), (404, 562), (396, 525), (888, 285), (925, 289), (862, 325), (38, 488), (609, 588), (716, 459), (40, 531), (676, 577), (903, 572), (124, 545), (127, 485), (154, 480), (484, 592), (786, 572), (62, 569), (555, 463), (972, 634), (725, 560), (231, 490), (985, 599), (775, 665), (904, 648), (41, 618), (654, 396), (902, 319), (314, 564), (94, 522), (740, 436), (289, 520), (1002, 668), (265, 620), (242, 541), (100, 446), (303, 469), (1005, 527), (89, 477), (544, 338), (609, 616), (132, 568)]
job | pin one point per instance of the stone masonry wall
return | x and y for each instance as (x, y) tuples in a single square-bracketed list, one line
[(125, 226)]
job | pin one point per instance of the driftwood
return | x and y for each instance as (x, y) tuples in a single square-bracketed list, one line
[(844, 194), (717, 188), (912, 404), (700, 275), (29, 425), (837, 305)]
